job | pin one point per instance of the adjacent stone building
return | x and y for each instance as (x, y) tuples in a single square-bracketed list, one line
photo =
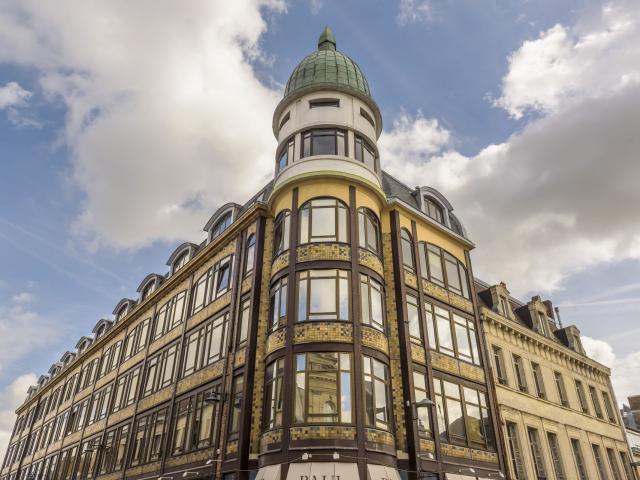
[(328, 328)]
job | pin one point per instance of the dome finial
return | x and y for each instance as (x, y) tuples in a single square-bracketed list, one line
[(327, 40)]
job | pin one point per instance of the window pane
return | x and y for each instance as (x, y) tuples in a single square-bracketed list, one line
[(456, 421), (324, 144), (323, 222), (435, 265)]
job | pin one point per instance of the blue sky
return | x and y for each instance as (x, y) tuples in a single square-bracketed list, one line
[(123, 127)]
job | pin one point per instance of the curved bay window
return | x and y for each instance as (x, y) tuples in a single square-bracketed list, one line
[(281, 229), (250, 255), (278, 304), (368, 231), (377, 411), (286, 154), (324, 141), (443, 269), (324, 220), (451, 334), (323, 388), (273, 399), (406, 245), (365, 153), (323, 295), (420, 392), (371, 302), (463, 415)]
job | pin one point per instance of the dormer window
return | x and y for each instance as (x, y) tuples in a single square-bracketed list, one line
[(122, 312), (504, 306), (365, 153), (286, 154), (101, 330), (324, 102), (542, 323), (180, 262), (323, 141), (221, 226), (433, 210), (148, 290)]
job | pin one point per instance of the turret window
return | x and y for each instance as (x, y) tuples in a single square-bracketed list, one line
[(324, 141), (368, 230), (365, 153), (367, 117), (324, 220), (286, 154), (372, 303), (324, 102), (323, 295), (281, 232)]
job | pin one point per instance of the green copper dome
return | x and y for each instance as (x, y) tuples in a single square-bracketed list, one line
[(329, 68)]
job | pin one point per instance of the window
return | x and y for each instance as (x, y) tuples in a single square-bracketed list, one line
[(250, 255), (463, 415), (597, 455), (136, 339), (515, 454), (538, 380), (433, 210), (237, 393), (406, 245), (420, 392), (180, 262), (365, 153), (286, 154), (377, 411), (206, 344), (518, 369), (577, 457), (323, 295), (371, 302), (89, 451), (368, 231), (556, 459), (505, 309), (435, 263), (148, 435), (279, 304), (367, 117), (413, 319), (221, 225), (536, 454), (324, 141), (593, 393), (148, 290), (100, 401), (323, 388), (212, 284), (78, 416), (542, 324), (451, 334), (608, 408), (324, 102), (170, 315), (626, 464), (273, 399), (122, 312), (66, 466), (160, 370), (281, 232), (285, 119), (87, 375), (562, 392), (498, 363), (115, 448), (582, 397), (126, 389), (110, 359), (195, 421), (245, 317), (324, 220), (613, 463)]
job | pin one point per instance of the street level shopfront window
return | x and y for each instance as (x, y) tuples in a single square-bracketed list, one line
[(323, 295), (324, 141), (324, 220), (323, 388), (463, 415), (377, 412)]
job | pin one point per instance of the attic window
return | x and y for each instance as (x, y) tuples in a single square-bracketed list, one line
[(367, 117), (432, 209), (504, 306), (542, 323), (324, 102), (284, 120)]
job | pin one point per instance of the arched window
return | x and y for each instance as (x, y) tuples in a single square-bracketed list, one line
[(180, 262), (434, 210), (122, 312), (324, 220), (101, 330), (250, 255), (406, 244), (221, 225), (368, 230), (281, 230), (148, 290)]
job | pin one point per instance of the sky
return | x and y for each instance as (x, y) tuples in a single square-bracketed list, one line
[(124, 125)]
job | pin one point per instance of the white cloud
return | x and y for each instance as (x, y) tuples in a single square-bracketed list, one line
[(13, 94), (315, 6), (625, 371), (10, 397), (166, 118), (555, 198), (414, 11), (23, 297)]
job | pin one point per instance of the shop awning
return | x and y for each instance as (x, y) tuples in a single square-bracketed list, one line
[(270, 472), (380, 472), (323, 471)]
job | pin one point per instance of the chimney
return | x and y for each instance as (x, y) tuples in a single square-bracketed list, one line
[(557, 310)]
